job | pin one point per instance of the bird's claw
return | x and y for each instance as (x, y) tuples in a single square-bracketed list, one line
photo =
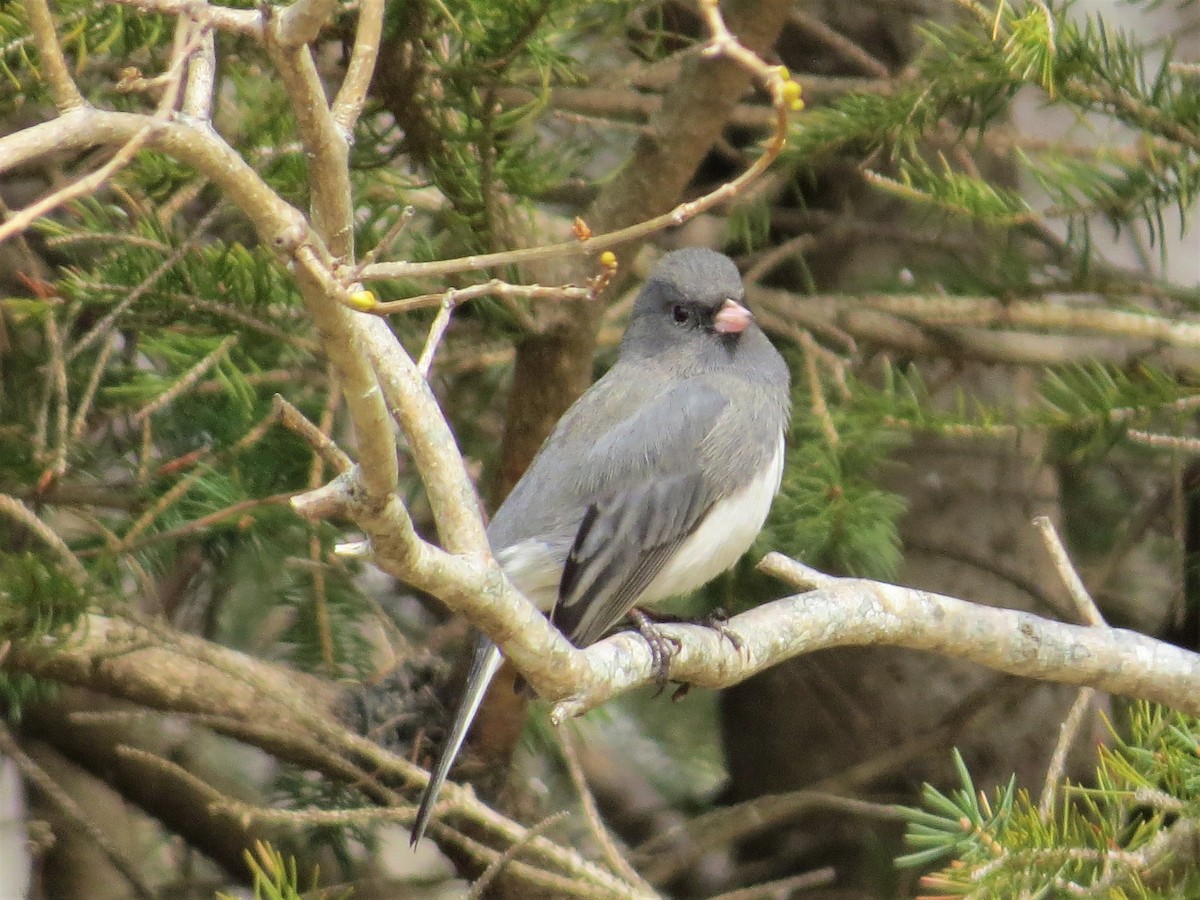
[(718, 621), (663, 647)]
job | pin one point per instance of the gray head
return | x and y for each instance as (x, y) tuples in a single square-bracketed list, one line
[(693, 306)]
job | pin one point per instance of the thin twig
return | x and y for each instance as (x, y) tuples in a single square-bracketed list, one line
[(187, 380), (92, 182), (436, 332), (493, 871), (840, 44), (785, 96), (495, 287), (1164, 441), (816, 391), (108, 322), (292, 419), (178, 490), (385, 243), (591, 814), (58, 366), (1067, 732), (1089, 613), (79, 422), (782, 887), (315, 473)]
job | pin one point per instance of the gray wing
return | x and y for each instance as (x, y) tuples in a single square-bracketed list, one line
[(622, 544), (656, 495)]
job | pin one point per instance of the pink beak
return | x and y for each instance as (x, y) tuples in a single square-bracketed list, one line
[(732, 318)]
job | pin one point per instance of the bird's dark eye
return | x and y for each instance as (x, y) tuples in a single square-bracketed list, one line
[(680, 314)]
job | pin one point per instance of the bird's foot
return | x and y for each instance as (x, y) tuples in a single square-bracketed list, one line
[(662, 646), (718, 621)]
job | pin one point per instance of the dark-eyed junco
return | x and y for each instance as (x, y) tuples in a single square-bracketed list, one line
[(654, 482)]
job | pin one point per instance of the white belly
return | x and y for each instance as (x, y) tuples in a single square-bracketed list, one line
[(724, 535)]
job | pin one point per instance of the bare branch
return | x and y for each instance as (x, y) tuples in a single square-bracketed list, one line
[(851, 611), (296, 421), (348, 104), (785, 95), (495, 287), (233, 21), (201, 76), (1067, 733), (1089, 613), (436, 332), (299, 22), (54, 64), (90, 183), (591, 813), (187, 380)]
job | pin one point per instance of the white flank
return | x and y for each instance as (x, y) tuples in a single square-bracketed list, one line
[(725, 534), (532, 568)]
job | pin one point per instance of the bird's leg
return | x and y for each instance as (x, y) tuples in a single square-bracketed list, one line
[(662, 646)]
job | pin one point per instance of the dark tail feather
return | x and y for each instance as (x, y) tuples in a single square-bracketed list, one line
[(484, 663)]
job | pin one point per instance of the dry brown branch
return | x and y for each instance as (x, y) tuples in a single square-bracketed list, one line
[(612, 854)]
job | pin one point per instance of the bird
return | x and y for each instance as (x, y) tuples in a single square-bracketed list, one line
[(655, 481)]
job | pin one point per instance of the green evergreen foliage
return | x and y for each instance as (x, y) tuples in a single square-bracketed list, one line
[(277, 877), (184, 513), (966, 77), (830, 511), (1122, 837)]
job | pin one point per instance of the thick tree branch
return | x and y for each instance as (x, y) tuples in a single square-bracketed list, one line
[(856, 612), (117, 659)]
